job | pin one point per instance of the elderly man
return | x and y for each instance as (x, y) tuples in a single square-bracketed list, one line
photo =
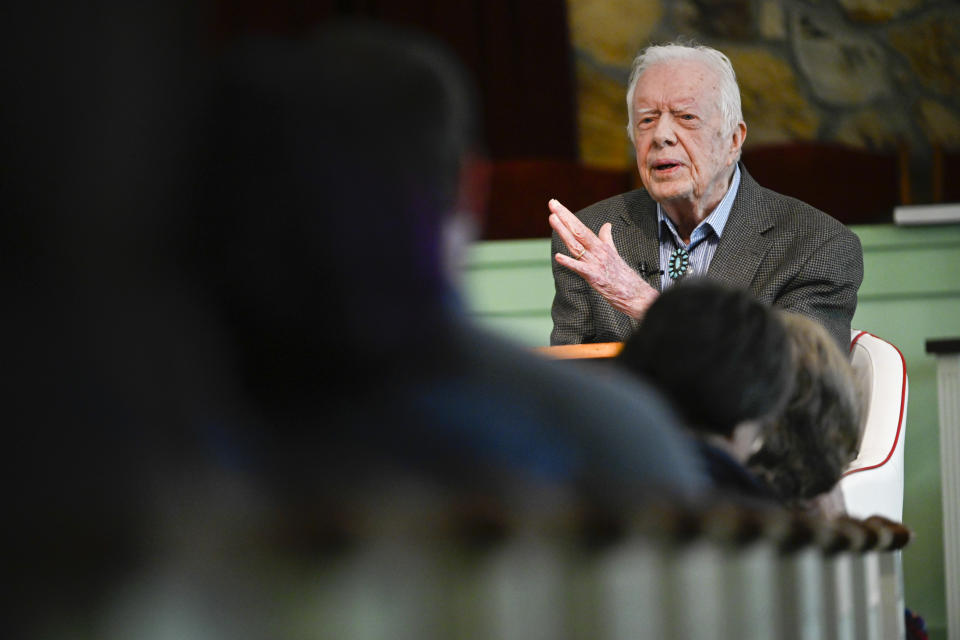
[(699, 213)]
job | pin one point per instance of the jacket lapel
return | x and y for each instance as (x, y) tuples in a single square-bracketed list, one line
[(745, 240)]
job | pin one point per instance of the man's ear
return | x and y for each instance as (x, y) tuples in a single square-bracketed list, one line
[(473, 188), (463, 224), (737, 139), (746, 439)]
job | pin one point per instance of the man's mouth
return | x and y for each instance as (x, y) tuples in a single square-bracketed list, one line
[(665, 166)]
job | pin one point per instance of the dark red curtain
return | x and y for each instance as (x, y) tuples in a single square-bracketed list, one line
[(518, 51)]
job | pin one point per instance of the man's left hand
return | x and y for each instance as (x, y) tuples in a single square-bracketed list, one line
[(596, 260)]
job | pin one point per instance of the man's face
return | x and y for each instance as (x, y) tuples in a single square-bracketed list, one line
[(682, 149)]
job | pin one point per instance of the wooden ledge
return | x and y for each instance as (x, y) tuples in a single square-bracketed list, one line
[(574, 351)]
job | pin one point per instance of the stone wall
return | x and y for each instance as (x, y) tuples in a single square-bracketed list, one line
[(873, 74)]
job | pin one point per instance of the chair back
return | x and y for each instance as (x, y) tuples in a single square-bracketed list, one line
[(873, 483)]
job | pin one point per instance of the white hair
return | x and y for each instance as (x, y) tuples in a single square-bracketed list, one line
[(729, 98)]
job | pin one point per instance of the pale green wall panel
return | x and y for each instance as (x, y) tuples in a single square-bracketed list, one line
[(509, 288), (909, 262), (528, 331), (500, 251), (516, 289)]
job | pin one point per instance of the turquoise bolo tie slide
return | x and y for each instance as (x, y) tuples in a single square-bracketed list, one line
[(678, 265)]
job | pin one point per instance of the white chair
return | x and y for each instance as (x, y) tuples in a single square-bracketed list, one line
[(873, 483)]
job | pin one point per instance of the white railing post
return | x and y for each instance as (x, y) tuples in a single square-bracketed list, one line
[(891, 595), (521, 587), (632, 602), (749, 590), (696, 591), (801, 600), (839, 620), (947, 352), (866, 594)]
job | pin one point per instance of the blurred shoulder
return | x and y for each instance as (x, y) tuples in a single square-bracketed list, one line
[(628, 439)]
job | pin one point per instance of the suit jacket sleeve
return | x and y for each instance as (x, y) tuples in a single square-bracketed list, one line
[(572, 318)]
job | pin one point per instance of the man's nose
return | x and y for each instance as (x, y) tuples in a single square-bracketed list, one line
[(664, 134)]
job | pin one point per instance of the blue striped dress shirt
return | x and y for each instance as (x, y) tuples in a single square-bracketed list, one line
[(704, 238)]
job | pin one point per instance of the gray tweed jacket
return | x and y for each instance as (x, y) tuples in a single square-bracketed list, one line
[(785, 252)]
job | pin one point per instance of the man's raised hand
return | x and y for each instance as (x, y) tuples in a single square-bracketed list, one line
[(596, 260)]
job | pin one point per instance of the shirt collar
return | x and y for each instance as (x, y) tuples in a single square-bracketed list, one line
[(716, 221)]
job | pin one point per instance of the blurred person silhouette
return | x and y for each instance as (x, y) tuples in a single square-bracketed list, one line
[(326, 366), (807, 447), (724, 361), (102, 356), (340, 191)]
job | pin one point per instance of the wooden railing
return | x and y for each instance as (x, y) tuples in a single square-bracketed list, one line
[(669, 572)]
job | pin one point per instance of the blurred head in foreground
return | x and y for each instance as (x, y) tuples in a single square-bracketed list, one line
[(723, 360), (817, 435), (339, 181), (719, 355), (338, 189)]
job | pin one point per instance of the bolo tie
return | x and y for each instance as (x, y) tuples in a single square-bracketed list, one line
[(678, 264)]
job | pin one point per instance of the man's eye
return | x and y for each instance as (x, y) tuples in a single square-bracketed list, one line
[(688, 116)]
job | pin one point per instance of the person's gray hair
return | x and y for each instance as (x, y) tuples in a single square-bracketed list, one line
[(729, 102), (807, 447)]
